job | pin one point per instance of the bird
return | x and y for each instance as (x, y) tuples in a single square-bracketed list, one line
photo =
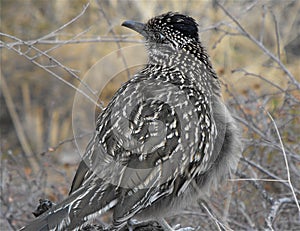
[(165, 139)]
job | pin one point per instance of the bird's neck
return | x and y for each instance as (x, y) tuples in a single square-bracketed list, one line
[(189, 54), (191, 60)]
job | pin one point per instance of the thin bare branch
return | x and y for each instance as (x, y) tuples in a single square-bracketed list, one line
[(275, 210), (262, 169), (286, 163), (54, 33), (18, 51), (114, 35), (261, 46), (276, 33), (98, 39)]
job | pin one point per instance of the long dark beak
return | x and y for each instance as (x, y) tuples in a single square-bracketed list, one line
[(136, 26)]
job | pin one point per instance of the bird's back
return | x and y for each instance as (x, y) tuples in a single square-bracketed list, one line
[(164, 138)]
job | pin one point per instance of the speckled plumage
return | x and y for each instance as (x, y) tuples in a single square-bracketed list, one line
[(162, 141)]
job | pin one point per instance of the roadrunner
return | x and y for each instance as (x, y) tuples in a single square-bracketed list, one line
[(165, 139)]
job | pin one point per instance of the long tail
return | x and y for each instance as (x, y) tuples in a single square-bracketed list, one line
[(76, 210)]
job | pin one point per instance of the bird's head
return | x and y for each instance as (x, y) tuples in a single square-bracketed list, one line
[(173, 29)]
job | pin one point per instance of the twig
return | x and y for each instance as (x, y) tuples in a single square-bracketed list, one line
[(113, 33), (261, 46), (219, 224), (262, 30), (258, 186), (97, 39), (275, 209), (260, 168), (242, 209), (257, 179), (53, 33), (246, 73), (52, 59), (277, 33), (49, 71), (286, 163), (54, 148)]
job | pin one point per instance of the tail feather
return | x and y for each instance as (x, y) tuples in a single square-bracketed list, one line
[(76, 210), (52, 220)]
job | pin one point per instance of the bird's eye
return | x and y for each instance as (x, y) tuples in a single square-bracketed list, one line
[(159, 36)]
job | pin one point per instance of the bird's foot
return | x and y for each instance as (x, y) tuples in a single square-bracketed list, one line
[(44, 205)]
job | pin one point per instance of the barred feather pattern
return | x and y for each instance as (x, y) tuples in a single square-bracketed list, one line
[(165, 137)]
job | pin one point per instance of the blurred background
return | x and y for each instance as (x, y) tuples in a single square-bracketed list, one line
[(47, 47)]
